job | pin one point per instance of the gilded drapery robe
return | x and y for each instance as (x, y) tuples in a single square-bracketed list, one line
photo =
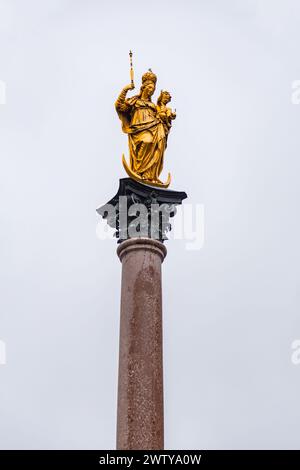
[(147, 137)]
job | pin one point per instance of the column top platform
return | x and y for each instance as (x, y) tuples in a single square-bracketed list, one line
[(157, 206)]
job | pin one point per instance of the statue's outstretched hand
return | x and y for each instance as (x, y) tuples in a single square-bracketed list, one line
[(128, 87)]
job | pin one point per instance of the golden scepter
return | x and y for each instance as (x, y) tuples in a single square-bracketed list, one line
[(131, 69)]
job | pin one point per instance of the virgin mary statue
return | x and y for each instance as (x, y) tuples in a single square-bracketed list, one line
[(147, 136)]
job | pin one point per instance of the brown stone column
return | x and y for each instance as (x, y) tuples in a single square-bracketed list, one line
[(140, 421)]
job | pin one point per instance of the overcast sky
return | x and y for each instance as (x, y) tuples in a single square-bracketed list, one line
[(231, 309)]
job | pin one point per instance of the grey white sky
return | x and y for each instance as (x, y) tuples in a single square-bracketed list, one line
[(232, 309)]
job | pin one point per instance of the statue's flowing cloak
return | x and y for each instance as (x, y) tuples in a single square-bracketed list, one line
[(146, 136)]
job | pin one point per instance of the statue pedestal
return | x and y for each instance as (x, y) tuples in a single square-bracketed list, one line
[(139, 210), (141, 216)]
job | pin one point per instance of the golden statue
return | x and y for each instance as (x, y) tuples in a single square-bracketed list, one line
[(147, 126)]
